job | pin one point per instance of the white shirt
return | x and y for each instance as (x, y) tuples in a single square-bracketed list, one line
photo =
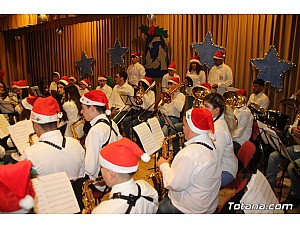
[(194, 178), (82, 92), (72, 114), (295, 124), (148, 100), (260, 99), (97, 136), (220, 75), (165, 79), (119, 206), (175, 107), (197, 79), (106, 89), (53, 86), (116, 100), (225, 146), (135, 73), (245, 123), (47, 159)]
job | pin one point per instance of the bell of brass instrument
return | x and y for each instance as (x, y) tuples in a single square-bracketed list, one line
[(138, 98), (199, 93), (234, 99), (73, 128), (30, 138)]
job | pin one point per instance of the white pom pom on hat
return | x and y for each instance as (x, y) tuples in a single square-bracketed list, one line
[(27, 202)]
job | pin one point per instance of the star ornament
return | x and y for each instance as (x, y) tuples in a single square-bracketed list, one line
[(117, 54), (206, 50), (271, 68), (85, 65)]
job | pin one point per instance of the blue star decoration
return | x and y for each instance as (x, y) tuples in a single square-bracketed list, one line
[(271, 68), (117, 54), (206, 50), (85, 65)]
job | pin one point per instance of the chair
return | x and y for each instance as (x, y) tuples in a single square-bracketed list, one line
[(244, 155), (235, 197)]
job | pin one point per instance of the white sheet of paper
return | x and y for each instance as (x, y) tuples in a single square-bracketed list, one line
[(4, 124), (156, 130), (259, 193), (147, 139), (54, 195), (19, 134)]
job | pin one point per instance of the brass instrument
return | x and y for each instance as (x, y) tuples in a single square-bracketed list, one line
[(156, 177), (234, 99), (199, 93), (88, 199), (138, 99), (30, 138), (74, 126)]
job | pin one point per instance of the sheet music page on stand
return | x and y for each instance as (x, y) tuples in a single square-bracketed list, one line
[(4, 125), (156, 130), (19, 134), (259, 195), (147, 139), (54, 195)]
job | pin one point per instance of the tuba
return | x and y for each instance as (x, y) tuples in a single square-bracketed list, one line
[(199, 93), (156, 177), (234, 99)]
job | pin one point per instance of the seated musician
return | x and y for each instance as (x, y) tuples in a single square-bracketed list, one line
[(103, 131), (120, 94), (148, 99), (102, 85), (194, 177), (276, 158), (171, 73), (119, 161), (84, 86), (225, 124), (16, 192), (172, 110), (258, 97)]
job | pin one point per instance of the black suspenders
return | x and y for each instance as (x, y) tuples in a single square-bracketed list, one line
[(108, 122), (56, 146), (203, 144)]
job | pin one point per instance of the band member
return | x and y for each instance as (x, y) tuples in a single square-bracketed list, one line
[(62, 83), (170, 74), (103, 86), (258, 97), (224, 123), (220, 75), (194, 177), (21, 90), (172, 110), (84, 86), (135, 71), (103, 131), (121, 93), (56, 77), (53, 153), (16, 192), (196, 73), (119, 161)]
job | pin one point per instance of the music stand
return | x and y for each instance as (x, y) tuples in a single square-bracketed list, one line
[(6, 107)]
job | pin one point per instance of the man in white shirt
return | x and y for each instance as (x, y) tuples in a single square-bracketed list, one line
[(220, 75), (103, 86), (166, 77), (56, 77), (194, 177), (258, 97), (135, 71)]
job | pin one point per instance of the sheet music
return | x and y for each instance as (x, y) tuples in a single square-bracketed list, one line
[(156, 130), (19, 134), (259, 193), (54, 195), (4, 125), (147, 139)]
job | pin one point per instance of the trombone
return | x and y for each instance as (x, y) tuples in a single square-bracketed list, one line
[(138, 99)]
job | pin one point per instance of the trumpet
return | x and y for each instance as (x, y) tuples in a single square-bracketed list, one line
[(199, 93)]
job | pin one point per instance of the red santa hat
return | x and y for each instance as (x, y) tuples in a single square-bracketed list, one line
[(45, 110), (172, 66), (147, 80), (22, 84), (14, 84), (86, 82), (195, 59), (242, 92), (96, 97), (206, 85), (65, 80), (28, 102), (135, 54), (56, 73), (102, 77), (174, 80), (16, 191), (73, 78), (2, 72), (219, 55), (122, 156), (200, 120)]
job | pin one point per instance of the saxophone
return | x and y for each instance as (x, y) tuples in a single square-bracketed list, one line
[(73, 127), (157, 177), (30, 138)]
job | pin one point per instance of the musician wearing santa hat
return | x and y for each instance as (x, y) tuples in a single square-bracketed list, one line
[(135, 71), (194, 177), (220, 75), (197, 75), (171, 73), (56, 77), (119, 161), (84, 86), (95, 109), (103, 86)]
